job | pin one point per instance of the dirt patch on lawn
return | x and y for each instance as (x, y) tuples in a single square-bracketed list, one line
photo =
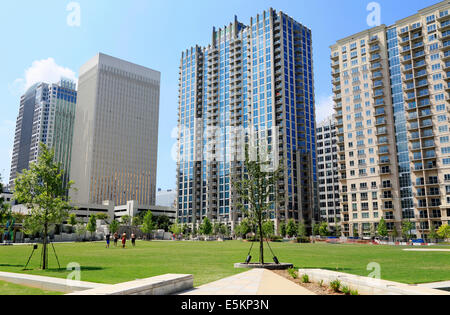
[(313, 287)]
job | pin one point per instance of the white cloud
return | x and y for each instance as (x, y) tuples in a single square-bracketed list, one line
[(45, 70), (324, 108)]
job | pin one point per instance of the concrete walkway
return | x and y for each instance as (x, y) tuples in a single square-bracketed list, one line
[(437, 285), (427, 250), (253, 282)]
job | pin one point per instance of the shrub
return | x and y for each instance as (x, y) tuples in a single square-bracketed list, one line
[(303, 240), (335, 285), (354, 292), (292, 273), (305, 279), (346, 290), (276, 239)]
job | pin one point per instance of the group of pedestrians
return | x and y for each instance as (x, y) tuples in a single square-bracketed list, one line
[(123, 238)]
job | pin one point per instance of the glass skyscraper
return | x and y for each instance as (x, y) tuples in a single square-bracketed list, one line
[(253, 85), (47, 114)]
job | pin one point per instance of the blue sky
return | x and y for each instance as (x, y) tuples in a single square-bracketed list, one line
[(38, 44)]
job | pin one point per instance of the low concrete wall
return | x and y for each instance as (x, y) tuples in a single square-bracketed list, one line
[(48, 283), (368, 286), (160, 285)]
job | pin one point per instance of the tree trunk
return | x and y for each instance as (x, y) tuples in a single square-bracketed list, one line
[(44, 248), (261, 244)]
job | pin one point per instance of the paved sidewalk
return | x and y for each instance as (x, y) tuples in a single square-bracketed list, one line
[(427, 250), (253, 282)]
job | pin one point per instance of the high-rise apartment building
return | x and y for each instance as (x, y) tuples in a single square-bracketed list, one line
[(252, 85), (392, 108), (46, 114), (116, 133), (327, 173)]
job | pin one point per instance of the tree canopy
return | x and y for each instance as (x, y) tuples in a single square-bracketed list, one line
[(257, 192), (147, 223), (206, 228), (444, 231), (42, 189), (382, 228)]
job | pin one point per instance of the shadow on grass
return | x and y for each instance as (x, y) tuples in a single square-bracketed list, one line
[(8, 265), (61, 270)]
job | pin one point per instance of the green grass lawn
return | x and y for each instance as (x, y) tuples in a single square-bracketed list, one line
[(210, 261), (14, 289)]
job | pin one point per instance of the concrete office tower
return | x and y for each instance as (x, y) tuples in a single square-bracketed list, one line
[(328, 174), (166, 198), (116, 133), (47, 114), (252, 85), (392, 106)]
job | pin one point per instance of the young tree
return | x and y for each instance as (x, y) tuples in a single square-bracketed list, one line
[(216, 229), (206, 227), (92, 225), (245, 227), (259, 190), (283, 229), (394, 233), (125, 220), (137, 221), (73, 220), (223, 230), (291, 228), (382, 228), (103, 217), (114, 226), (176, 229), (337, 226), (185, 230), (301, 230), (433, 233), (444, 231), (147, 224), (269, 229), (163, 222), (81, 230), (316, 229), (42, 189), (323, 229), (5, 212), (3, 208), (407, 226)]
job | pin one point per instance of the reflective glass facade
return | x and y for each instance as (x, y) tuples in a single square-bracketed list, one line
[(253, 84)]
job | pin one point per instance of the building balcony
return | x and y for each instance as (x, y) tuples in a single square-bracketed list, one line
[(378, 85), (379, 113), (374, 48), (336, 73), (380, 122), (384, 162), (444, 26), (405, 50), (375, 66)]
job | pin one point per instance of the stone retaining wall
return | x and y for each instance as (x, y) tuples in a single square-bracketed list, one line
[(368, 286), (161, 285), (48, 283)]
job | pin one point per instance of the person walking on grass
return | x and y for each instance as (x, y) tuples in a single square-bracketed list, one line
[(124, 240), (116, 238), (108, 239), (133, 240)]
